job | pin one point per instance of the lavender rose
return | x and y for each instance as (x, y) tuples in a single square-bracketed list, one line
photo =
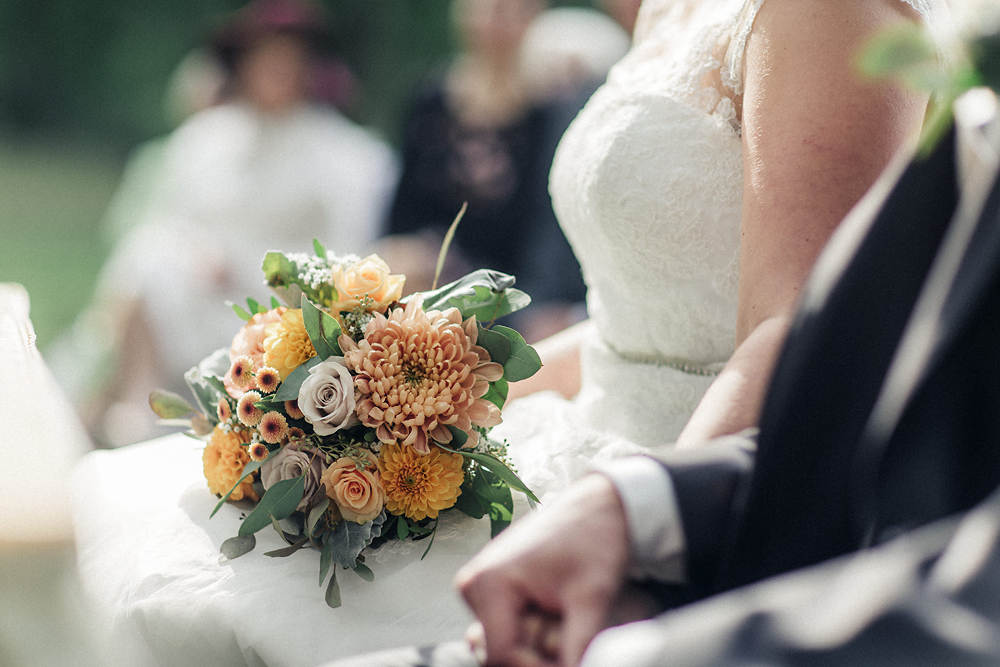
[(291, 462), (326, 397)]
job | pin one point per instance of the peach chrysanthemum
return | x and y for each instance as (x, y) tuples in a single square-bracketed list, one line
[(419, 485), (418, 373), (224, 410), (224, 460), (292, 408), (273, 427), (295, 433), (241, 372), (247, 412), (268, 379), (287, 344), (258, 451)]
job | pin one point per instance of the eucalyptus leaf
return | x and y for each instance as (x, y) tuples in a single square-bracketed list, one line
[(497, 467), (364, 571), (205, 381), (202, 425), (315, 514), (523, 361), (279, 502), (323, 330), (235, 547), (289, 538), (289, 550), (325, 561), (289, 389), (333, 591), (169, 405), (496, 344)]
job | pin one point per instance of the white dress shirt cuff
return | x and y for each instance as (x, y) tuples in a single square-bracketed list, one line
[(654, 521)]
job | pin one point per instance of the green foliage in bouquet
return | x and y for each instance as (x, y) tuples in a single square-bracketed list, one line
[(314, 385)]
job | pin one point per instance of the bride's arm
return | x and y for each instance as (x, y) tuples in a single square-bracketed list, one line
[(560, 371), (815, 137)]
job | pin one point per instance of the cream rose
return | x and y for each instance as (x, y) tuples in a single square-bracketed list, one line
[(291, 462), (357, 493), (367, 277), (249, 342), (326, 397)]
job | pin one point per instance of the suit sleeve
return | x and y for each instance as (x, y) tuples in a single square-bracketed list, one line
[(929, 597)]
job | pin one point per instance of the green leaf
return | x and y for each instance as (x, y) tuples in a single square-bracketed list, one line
[(458, 436), (364, 571), (205, 382), (495, 343), (471, 502), (325, 561), (250, 469), (315, 514), (523, 361), (323, 330), (279, 502), (168, 405), (275, 303), (289, 550), (497, 467), (289, 538), (235, 547), (240, 313), (484, 293), (402, 528), (497, 395), (319, 248), (289, 389), (333, 591)]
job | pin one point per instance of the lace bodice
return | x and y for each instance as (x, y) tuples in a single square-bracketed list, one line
[(648, 183)]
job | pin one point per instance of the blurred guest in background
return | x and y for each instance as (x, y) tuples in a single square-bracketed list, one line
[(266, 168)]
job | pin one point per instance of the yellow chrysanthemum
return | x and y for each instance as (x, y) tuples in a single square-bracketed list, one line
[(287, 344), (224, 459), (419, 485)]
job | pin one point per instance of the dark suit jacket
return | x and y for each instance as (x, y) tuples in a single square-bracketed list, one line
[(845, 457)]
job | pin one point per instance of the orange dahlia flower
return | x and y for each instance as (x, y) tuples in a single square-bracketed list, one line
[(419, 485), (224, 459), (417, 373)]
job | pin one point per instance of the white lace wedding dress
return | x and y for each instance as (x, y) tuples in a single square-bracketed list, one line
[(647, 183)]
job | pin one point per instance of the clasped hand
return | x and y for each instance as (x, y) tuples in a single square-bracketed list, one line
[(546, 586)]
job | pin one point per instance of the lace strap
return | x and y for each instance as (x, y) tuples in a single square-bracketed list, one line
[(732, 68)]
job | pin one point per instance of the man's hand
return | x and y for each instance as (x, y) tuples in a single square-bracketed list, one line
[(544, 588)]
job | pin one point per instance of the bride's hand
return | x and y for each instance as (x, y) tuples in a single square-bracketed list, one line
[(545, 587)]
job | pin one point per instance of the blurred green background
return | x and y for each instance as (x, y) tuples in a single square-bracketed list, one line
[(82, 82)]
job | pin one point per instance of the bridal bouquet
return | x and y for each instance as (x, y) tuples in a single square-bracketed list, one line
[(348, 416)]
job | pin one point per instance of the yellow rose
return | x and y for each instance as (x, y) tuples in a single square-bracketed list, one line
[(224, 459), (356, 493), (369, 277)]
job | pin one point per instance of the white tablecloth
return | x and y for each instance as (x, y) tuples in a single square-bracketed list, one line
[(149, 558)]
